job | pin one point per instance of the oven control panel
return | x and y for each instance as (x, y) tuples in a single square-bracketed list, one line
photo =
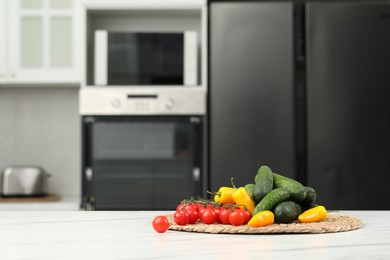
[(135, 101)]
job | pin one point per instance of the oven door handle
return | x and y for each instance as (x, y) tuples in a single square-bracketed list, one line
[(196, 169)]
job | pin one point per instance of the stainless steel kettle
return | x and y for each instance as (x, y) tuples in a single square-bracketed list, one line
[(24, 181)]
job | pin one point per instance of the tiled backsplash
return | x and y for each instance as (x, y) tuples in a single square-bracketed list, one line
[(41, 126)]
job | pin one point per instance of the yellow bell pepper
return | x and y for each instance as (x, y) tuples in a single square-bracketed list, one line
[(315, 214), (242, 198), (261, 219), (224, 195)]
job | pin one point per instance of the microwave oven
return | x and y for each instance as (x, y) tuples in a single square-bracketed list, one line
[(145, 58)]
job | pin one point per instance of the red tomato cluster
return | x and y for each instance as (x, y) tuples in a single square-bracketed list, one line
[(210, 214)]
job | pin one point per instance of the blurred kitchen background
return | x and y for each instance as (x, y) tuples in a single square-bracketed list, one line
[(300, 86)]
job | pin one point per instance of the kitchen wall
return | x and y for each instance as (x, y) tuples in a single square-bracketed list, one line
[(41, 126)]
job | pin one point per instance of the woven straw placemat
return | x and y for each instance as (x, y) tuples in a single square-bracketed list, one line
[(333, 223)]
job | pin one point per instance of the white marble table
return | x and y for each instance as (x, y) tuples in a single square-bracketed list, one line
[(129, 235), (64, 204)]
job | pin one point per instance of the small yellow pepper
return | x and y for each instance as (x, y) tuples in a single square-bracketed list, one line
[(224, 195), (261, 219), (315, 214), (242, 198)]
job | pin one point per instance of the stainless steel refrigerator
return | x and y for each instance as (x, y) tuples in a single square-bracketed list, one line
[(304, 88)]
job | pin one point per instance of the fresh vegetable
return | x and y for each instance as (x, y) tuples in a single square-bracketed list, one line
[(224, 195), (208, 216), (247, 215), (192, 212), (224, 216), (236, 218), (160, 224), (181, 217), (296, 189), (216, 211), (242, 199), (315, 214), (272, 199), (249, 188), (287, 211), (180, 206), (262, 219), (264, 184), (311, 196)]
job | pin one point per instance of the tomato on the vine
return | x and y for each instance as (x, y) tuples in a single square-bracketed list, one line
[(181, 217), (217, 210), (197, 206), (193, 214), (160, 224), (236, 218), (180, 206), (208, 216), (188, 207), (247, 215), (224, 216)]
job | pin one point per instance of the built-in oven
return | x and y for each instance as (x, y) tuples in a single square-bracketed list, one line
[(143, 148)]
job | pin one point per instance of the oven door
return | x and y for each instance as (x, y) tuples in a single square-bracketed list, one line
[(141, 162)]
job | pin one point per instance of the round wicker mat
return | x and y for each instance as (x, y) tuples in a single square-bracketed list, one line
[(333, 223)]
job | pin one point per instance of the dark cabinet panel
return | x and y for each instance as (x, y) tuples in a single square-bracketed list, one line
[(348, 104), (251, 91)]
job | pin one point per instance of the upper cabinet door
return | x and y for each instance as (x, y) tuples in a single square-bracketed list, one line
[(42, 41)]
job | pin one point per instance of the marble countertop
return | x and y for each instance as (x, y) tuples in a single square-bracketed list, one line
[(65, 203), (129, 235)]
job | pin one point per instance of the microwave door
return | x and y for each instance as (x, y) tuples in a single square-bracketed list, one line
[(142, 58)]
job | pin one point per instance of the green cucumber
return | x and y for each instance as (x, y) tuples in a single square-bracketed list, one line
[(249, 188), (311, 196), (296, 189), (272, 199), (264, 183), (287, 211)]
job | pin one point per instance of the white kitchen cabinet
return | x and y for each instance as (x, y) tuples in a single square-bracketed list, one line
[(39, 43), (2, 41)]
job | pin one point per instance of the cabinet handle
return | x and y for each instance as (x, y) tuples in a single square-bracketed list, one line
[(196, 174)]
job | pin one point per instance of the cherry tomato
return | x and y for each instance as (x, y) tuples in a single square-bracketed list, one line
[(180, 206), (189, 207), (224, 216), (247, 215), (208, 216), (181, 217), (201, 209), (193, 214), (236, 218), (197, 206), (160, 224), (217, 210)]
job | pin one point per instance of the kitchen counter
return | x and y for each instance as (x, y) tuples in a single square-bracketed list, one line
[(63, 204), (129, 235)]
